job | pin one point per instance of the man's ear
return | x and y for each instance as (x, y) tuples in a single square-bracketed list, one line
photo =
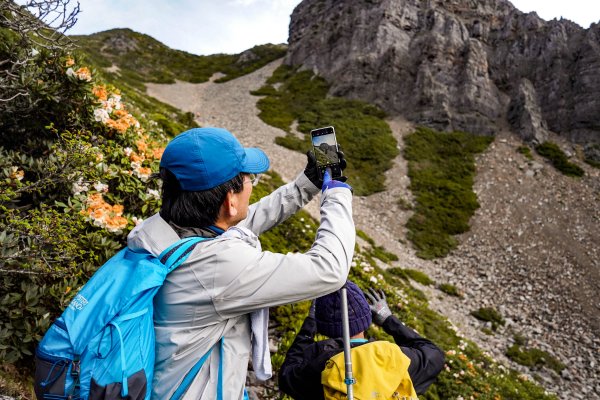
[(230, 205)]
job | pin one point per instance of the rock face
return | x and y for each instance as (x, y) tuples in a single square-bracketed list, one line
[(455, 64)]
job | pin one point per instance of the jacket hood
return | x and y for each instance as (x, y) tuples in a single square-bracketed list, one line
[(153, 235)]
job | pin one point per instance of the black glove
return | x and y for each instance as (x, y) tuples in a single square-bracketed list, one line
[(378, 305), (312, 172)]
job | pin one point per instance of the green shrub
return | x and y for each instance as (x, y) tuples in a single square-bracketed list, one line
[(362, 133), (526, 151), (532, 357), (489, 314), (441, 168), (559, 160), (143, 59), (376, 251), (419, 276), (450, 289)]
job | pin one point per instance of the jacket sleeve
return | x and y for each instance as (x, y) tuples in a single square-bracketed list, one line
[(248, 279), (426, 359), (295, 377), (279, 205)]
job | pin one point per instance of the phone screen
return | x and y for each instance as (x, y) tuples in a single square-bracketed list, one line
[(325, 148)]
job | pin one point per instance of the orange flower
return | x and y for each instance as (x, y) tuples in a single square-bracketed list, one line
[(69, 62), (157, 153), (134, 157), (84, 74), (120, 113), (118, 125), (141, 145), (100, 92), (103, 214)]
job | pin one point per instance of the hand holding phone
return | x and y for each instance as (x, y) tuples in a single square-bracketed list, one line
[(325, 148)]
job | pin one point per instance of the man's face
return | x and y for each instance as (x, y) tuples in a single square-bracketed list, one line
[(244, 198)]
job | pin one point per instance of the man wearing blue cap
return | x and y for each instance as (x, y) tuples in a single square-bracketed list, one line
[(215, 303)]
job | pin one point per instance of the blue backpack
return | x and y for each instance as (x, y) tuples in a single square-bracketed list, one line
[(102, 346)]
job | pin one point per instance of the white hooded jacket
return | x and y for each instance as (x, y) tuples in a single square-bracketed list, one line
[(225, 279)]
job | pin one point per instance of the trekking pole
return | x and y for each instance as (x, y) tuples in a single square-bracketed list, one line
[(349, 379)]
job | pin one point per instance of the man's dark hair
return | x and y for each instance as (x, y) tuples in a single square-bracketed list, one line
[(194, 209)]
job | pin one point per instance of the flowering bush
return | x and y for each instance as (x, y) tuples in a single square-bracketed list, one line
[(68, 202)]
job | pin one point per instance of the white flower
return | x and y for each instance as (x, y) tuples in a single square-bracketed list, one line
[(128, 151), (142, 173), (373, 279), (101, 115), (34, 52), (137, 220), (79, 187), (101, 187), (70, 72), (16, 173), (153, 193)]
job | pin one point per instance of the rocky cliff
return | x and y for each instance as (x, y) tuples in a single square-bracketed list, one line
[(456, 64)]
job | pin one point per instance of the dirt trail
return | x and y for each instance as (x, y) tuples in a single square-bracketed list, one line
[(534, 226)]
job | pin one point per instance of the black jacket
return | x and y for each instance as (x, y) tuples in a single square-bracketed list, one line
[(300, 374)]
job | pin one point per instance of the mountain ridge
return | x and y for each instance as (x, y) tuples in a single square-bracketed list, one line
[(456, 65)]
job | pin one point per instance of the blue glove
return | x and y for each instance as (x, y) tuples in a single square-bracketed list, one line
[(329, 183)]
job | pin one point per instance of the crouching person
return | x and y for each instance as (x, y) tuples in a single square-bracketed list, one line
[(383, 370)]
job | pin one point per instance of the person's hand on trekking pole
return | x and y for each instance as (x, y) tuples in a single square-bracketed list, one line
[(378, 305)]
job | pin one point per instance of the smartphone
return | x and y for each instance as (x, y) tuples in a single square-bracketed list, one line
[(326, 151)]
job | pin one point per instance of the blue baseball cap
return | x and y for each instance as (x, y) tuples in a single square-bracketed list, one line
[(203, 158)]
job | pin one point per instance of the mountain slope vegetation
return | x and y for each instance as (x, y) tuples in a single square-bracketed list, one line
[(72, 188)]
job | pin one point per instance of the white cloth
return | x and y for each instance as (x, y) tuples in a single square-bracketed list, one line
[(259, 319)]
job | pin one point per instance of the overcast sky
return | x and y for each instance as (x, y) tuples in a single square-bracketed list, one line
[(232, 26)]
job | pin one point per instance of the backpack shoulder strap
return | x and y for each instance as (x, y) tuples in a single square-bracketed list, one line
[(174, 255)]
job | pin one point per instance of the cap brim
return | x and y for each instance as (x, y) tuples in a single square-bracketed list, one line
[(257, 161)]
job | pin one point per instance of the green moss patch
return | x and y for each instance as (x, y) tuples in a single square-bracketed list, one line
[(441, 167), (450, 289), (532, 357), (559, 159), (363, 135), (489, 314), (526, 151)]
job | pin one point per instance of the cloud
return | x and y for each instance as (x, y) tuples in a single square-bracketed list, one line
[(232, 26), (583, 12), (199, 27)]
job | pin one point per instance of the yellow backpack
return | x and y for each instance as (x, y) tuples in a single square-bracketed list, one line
[(380, 369)]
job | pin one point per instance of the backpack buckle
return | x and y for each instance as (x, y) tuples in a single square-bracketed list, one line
[(75, 369)]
